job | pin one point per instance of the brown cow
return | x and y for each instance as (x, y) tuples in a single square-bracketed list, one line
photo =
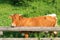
[(42, 21)]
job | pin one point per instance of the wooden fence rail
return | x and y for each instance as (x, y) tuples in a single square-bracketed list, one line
[(29, 38), (29, 29)]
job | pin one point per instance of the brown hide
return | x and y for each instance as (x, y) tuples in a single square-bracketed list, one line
[(46, 21)]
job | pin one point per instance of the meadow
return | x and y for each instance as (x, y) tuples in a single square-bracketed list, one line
[(28, 8)]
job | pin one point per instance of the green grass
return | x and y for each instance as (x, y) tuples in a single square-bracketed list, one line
[(35, 8)]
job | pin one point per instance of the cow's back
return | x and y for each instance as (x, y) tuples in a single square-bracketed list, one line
[(47, 21), (39, 21)]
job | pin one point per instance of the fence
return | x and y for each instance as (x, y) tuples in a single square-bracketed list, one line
[(29, 29)]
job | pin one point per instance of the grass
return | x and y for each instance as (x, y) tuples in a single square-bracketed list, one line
[(35, 8)]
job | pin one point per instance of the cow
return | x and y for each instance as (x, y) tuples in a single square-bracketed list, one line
[(41, 21)]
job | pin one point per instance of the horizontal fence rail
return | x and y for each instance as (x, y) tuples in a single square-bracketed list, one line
[(29, 38), (30, 29)]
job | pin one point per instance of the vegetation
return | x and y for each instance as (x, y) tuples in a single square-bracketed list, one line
[(29, 8)]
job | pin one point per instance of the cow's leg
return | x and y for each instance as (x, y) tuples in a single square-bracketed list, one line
[(25, 34)]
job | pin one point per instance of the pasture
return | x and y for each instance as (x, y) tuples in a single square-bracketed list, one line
[(29, 9)]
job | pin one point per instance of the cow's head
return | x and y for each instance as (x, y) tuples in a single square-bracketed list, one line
[(15, 19)]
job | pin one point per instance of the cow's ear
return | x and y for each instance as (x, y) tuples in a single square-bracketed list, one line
[(20, 17), (10, 16), (20, 14)]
